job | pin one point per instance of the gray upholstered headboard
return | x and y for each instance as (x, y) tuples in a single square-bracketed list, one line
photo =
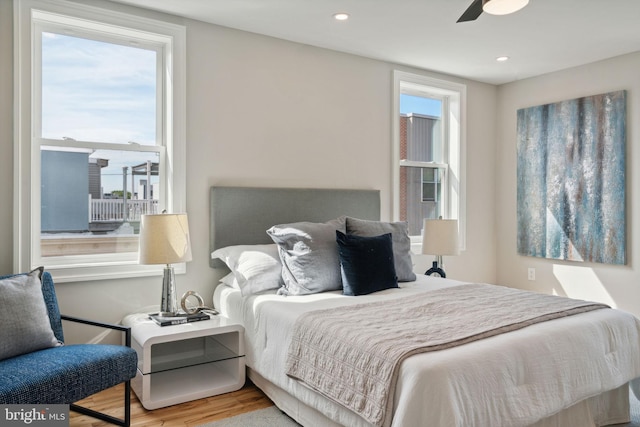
[(241, 215)]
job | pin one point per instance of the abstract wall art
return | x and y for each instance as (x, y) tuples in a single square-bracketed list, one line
[(571, 179)]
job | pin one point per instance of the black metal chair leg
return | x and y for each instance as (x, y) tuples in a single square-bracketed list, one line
[(126, 422)]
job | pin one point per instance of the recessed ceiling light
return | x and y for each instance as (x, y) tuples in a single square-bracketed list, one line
[(341, 16), (502, 58), (503, 7)]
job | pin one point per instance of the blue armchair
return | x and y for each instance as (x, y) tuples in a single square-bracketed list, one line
[(64, 374)]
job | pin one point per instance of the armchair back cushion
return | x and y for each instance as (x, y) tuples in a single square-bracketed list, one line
[(29, 314)]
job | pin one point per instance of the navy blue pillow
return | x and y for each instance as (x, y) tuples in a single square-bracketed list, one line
[(366, 263)]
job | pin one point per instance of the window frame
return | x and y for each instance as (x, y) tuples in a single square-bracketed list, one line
[(31, 18), (453, 156)]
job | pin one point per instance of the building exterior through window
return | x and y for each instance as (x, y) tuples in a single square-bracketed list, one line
[(420, 187)]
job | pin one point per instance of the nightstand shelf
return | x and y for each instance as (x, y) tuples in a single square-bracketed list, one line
[(180, 363)]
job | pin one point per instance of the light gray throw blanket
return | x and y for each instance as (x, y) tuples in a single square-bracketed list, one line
[(352, 354)]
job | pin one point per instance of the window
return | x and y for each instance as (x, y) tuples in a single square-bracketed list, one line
[(431, 187), (428, 180), (100, 136)]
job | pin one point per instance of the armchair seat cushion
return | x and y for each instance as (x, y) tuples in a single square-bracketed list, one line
[(63, 375)]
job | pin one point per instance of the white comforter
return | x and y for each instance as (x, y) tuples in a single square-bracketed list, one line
[(513, 379)]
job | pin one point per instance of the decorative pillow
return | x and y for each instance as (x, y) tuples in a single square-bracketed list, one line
[(256, 268), (231, 281), (309, 255), (23, 316), (401, 242), (367, 263)]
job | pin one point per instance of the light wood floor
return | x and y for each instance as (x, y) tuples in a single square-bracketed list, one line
[(188, 414)]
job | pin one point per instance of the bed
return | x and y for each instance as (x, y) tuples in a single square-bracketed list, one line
[(569, 371)]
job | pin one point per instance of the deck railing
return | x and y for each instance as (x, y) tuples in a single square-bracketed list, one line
[(108, 210)]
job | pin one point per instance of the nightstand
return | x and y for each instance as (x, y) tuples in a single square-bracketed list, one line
[(180, 363)]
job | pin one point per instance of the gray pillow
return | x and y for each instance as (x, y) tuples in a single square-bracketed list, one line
[(23, 316), (309, 255), (401, 242)]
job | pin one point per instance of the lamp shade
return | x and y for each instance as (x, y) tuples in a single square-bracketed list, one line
[(440, 237), (503, 7), (164, 239)]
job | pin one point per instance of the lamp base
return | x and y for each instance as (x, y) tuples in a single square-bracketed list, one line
[(169, 302), (436, 270)]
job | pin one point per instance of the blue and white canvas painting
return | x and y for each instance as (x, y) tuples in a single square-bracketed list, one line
[(571, 179)]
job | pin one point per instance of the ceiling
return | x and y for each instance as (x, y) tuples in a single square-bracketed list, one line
[(545, 36)]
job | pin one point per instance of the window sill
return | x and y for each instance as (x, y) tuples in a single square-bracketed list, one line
[(122, 270)]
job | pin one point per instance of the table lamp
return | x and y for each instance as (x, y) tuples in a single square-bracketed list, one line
[(164, 239), (440, 237)]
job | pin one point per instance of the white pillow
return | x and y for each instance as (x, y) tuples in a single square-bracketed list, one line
[(230, 281), (256, 268)]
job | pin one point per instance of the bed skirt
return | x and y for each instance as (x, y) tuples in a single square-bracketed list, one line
[(605, 409)]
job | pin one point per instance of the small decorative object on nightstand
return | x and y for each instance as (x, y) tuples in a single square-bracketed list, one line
[(186, 362), (187, 302), (440, 237)]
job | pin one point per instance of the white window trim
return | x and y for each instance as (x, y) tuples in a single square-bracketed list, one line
[(26, 201), (454, 134)]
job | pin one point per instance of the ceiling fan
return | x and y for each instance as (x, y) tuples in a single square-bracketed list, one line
[(493, 7)]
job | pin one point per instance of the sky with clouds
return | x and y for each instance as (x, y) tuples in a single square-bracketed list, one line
[(99, 92)]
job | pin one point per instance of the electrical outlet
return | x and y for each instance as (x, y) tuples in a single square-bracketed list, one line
[(531, 273)]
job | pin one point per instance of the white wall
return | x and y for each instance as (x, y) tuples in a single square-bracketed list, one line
[(618, 286), (266, 112), (6, 136)]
